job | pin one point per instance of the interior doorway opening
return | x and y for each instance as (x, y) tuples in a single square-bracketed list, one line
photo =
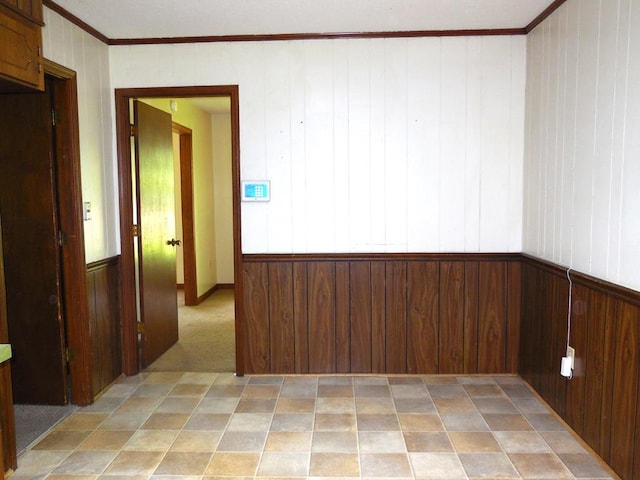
[(42, 221), (126, 164)]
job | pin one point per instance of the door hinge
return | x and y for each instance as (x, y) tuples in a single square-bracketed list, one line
[(140, 326), (55, 117), (62, 238), (69, 355), (132, 130), (135, 231)]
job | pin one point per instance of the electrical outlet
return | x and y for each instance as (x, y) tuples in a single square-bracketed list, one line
[(571, 353)]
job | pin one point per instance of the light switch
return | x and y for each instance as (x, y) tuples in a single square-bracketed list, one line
[(86, 207)]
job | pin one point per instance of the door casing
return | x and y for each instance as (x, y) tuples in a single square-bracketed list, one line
[(123, 96), (73, 257), (74, 264), (185, 136)]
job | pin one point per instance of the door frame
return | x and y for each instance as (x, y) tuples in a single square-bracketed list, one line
[(73, 262), (74, 266), (123, 96), (186, 195)]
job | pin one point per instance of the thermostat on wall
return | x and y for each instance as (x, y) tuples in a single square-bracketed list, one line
[(253, 191)]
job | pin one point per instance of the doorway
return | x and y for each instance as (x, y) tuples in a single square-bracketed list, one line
[(127, 213), (41, 210)]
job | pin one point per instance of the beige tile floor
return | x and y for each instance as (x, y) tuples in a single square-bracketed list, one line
[(202, 426)]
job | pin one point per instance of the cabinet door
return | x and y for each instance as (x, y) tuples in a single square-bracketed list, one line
[(20, 50), (31, 9)]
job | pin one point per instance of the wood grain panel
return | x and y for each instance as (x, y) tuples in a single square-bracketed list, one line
[(422, 322), (361, 319), (343, 325), (514, 313), (491, 321), (575, 387), (451, 338), (609, 368), (281, 325), (300, 309), (601, 401), (471, 317), (541, 324), (625, 389), (104, 322), (528, 339), (558, 301), (591, 362), (393, 313), (96, 379), (396, 317), (256, 318), (378, 298), (322, 317)]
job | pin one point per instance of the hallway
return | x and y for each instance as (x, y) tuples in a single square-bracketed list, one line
[(202, 425), (206, 336)]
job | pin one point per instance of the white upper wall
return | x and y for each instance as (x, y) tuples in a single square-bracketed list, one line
[(371, 145), (582, 174), (70, 46)]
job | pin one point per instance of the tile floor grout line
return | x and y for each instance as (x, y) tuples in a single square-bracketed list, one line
[(520, 408)]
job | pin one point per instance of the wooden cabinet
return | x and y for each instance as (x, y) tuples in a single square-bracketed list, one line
[(21, 45)]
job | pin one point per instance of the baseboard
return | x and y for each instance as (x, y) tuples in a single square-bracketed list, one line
[(214, 289)]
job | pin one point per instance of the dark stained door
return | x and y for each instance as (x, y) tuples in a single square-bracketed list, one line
[(156, 207), (31, 250)]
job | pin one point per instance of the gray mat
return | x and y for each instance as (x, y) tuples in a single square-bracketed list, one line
[(34, 420)]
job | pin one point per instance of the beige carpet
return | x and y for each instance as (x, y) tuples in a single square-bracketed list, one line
[(206, 337)]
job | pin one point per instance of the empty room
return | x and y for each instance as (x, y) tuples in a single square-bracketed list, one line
[(422, 213)]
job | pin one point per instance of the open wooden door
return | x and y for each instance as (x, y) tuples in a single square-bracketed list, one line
[(156, 245), (31, 248)]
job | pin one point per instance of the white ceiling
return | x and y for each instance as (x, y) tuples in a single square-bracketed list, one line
[(122, 19)]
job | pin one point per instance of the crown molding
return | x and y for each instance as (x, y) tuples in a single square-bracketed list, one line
[(540, 18), (299, 36), (316, 36), (75, 20)]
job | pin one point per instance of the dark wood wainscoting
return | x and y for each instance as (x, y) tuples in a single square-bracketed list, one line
[(104, 322), (448, 314), (602, 400)]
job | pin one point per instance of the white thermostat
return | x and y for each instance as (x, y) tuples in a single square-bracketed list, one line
[(256, 191)]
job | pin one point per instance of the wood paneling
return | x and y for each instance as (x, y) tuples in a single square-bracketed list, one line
[(360, 316), (594, 228), (423, 306), (343, 333), (256, 317), (378, 302), (492, 317), (396, 317), (381, 314), (625, 389), (301, 335), (322, 317), (281, 329), (601, 401), (103, 295), (471, 317), (451, 343)]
